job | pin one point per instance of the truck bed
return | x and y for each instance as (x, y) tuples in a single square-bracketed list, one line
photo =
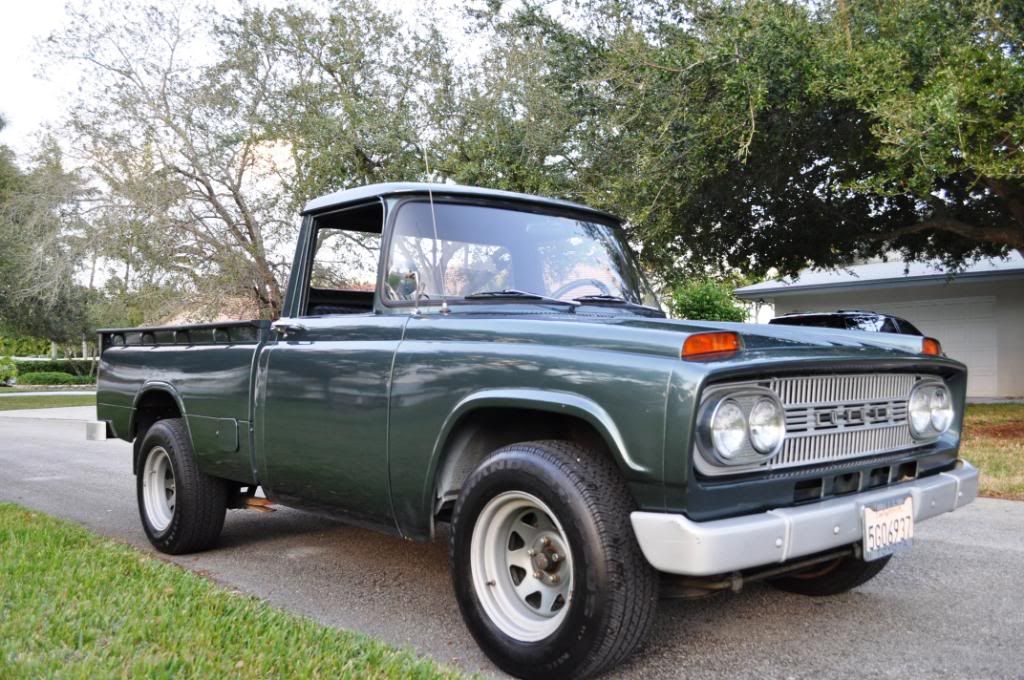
[(206, 369)]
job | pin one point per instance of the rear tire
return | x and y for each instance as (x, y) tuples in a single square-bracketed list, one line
[(840, 576), (182, 509), (571, 507)]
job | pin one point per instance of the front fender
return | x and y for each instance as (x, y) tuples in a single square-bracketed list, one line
[(565, 403)]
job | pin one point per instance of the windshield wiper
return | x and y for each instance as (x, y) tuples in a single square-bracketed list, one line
[(611, 300), (601, 298), (513, 294)]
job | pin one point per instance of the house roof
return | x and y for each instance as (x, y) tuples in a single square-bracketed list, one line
[(357, 194), (884, 274)]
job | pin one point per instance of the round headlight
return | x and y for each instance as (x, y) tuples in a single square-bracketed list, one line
[(930, 409), (920, 411), (942, 409), (728, 429), (767, 426)]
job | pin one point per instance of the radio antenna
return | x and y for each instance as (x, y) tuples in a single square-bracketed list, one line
[(433, 219)]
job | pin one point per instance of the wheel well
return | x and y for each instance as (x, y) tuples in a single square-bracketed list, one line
[(487, 429), (152, 406)]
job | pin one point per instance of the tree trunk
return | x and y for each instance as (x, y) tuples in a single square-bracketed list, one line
[(53, 350)]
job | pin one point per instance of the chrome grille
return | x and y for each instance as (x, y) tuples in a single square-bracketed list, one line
[(831, 389), (836, 417)]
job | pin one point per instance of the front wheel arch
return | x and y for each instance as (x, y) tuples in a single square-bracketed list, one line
[(486, 428)]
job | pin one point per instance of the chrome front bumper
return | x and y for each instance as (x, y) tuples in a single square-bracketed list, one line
[(674, 544)]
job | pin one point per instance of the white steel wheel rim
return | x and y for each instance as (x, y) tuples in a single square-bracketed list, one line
[(521, 564), (158, 488)]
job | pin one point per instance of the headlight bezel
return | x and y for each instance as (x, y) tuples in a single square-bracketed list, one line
[(746, 398), (928, 390)]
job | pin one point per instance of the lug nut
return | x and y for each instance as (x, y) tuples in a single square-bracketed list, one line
[(555, 557), (545, 540), (536, 574), (555, 578), (531, 552)]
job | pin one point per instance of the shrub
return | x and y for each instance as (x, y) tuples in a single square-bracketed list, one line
[(706, 300), (72, 366), (8, 370), (53, 378)]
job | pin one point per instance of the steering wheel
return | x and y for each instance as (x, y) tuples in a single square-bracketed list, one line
[(579, 283)]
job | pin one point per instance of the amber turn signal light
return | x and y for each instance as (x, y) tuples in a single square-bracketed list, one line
[(710, 343), (931, 346)]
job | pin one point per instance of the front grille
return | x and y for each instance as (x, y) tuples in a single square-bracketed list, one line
[(835, 418)]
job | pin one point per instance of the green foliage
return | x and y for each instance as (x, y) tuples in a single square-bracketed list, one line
[(53, 378), (61, 618), (755, 135), (41, 229), (751, 136), (72, 366), (24, 347), (705, 300), (8, 370)]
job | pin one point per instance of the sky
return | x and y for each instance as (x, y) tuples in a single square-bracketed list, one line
[(29, 99)]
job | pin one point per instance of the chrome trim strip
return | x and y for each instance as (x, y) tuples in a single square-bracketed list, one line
[(674, 544)]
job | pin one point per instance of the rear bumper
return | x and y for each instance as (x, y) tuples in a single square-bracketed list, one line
[(674, 544)]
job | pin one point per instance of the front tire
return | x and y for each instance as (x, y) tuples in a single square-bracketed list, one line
[(182, 509), (833, 578), (546, 568)]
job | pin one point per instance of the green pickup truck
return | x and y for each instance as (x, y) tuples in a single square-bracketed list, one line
[(496, 362)]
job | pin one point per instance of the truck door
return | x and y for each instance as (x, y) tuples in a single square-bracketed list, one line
[(322, 390)]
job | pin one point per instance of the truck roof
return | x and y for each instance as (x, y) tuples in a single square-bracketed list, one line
[(357, 194)]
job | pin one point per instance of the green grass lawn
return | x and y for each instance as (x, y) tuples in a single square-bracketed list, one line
[(994, 441), (45, 401), (73, 604), (28, 389)]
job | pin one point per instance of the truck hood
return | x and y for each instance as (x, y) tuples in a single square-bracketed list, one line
[(767, 337), (666, 337)]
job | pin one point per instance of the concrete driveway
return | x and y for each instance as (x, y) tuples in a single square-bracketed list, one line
[(952, 608)]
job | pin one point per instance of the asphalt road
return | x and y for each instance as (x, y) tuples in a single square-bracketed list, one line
[(952, 608)]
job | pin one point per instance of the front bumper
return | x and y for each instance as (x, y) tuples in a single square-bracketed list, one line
[(674, 544)]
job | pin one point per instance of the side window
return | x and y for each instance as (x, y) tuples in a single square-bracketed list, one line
[(345, 258), (908, 328), (888, 326), (867, 322)]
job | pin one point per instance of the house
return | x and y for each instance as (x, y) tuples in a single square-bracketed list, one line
[(977, 314)]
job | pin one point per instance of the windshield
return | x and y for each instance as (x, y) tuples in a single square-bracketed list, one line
[(485, 249)]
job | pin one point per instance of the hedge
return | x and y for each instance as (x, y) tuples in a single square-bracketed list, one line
[(53, 378), (72, 366)]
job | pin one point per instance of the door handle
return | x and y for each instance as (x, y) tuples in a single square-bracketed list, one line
[(285, 328)]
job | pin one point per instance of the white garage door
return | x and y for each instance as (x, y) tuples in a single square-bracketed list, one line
[(966, 327)]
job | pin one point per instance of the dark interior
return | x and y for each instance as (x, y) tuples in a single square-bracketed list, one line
[(324, 301)]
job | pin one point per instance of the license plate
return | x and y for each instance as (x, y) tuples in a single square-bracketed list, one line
[(888, 529)]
